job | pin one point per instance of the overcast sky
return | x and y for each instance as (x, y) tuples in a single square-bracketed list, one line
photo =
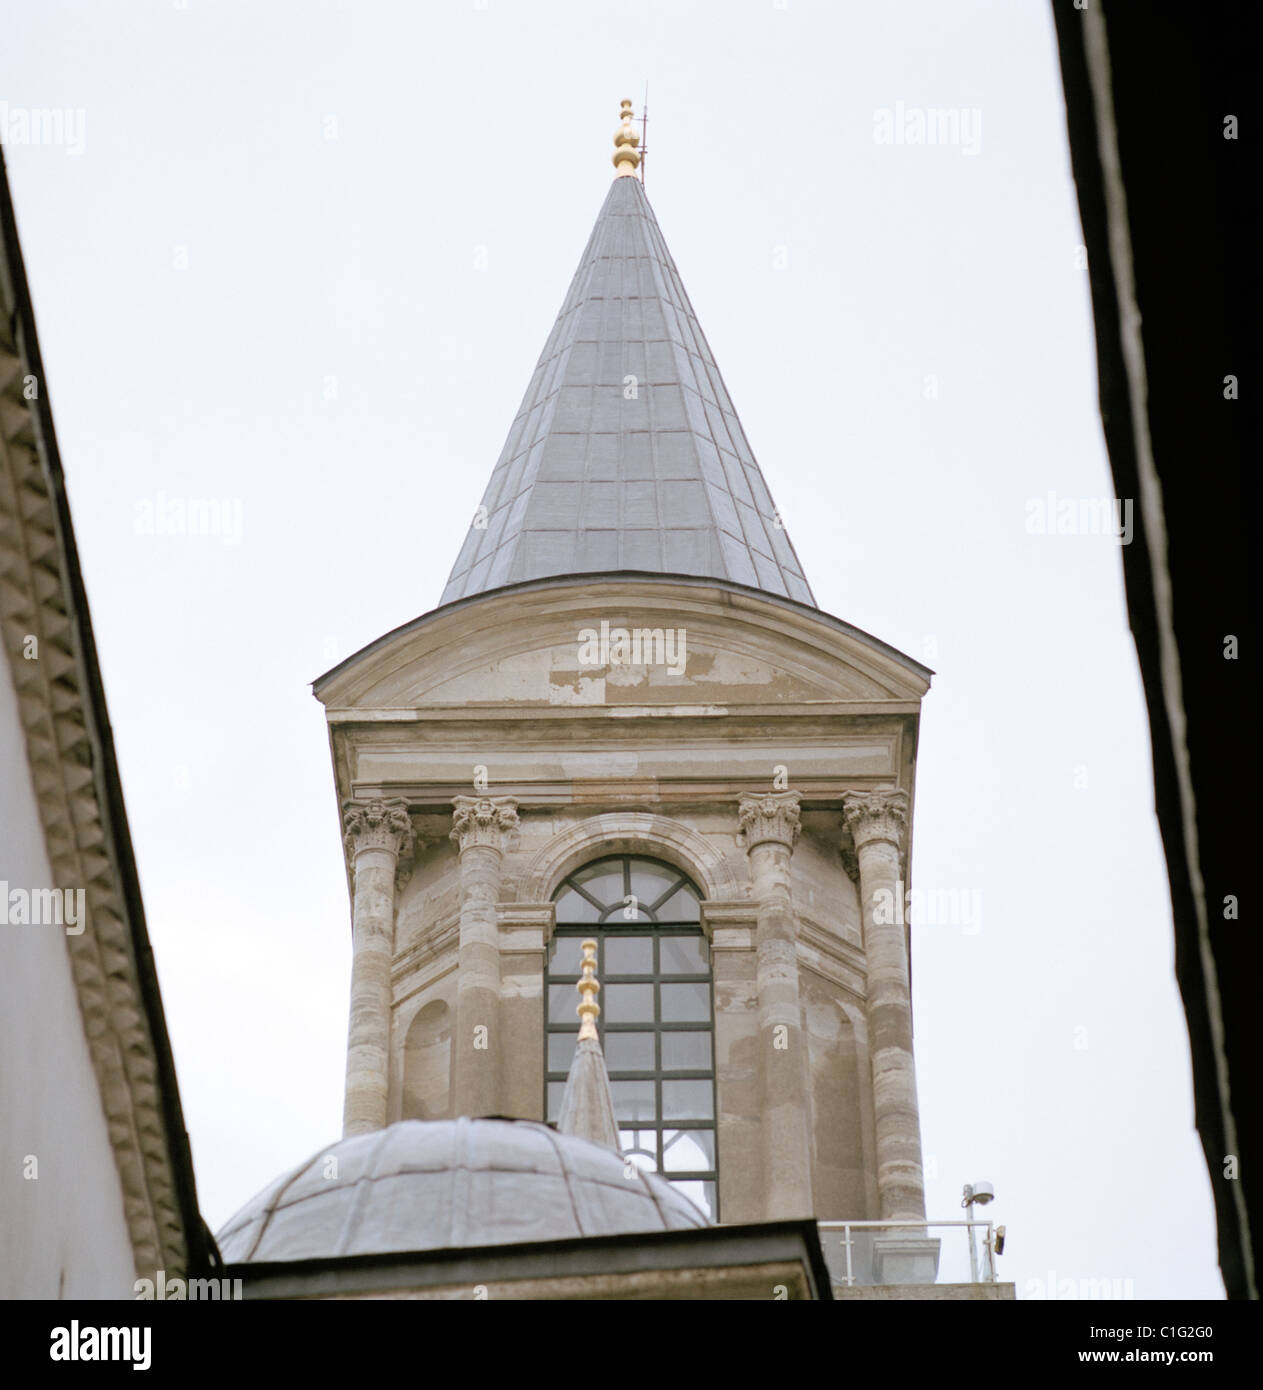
[(300, 259)]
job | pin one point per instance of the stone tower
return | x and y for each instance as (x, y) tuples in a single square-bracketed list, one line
[(628, 719)]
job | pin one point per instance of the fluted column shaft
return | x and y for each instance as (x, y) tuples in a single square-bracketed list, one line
[(376, 832), (769, 830), (480, 826), (878, 825)]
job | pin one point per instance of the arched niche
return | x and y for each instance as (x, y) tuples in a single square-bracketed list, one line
[(427, 1063)]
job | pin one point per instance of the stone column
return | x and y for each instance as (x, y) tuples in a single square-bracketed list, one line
[(376, 833), (878, 822), (733, 928), (480, 826), (525, 928), (769, 830)]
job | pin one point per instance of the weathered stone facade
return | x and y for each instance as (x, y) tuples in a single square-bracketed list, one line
[(775, 769)]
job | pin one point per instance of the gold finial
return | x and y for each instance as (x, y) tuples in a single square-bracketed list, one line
[(589, 987), (626, 159)]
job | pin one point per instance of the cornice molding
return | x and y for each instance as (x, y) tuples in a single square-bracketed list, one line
[(416, 967), (70, 755), (832, 958)]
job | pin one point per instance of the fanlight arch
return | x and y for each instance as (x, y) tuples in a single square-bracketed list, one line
[(657, 1012), (636, 833)]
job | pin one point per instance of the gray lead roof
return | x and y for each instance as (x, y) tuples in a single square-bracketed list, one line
[(436, 1184), (626, 453)]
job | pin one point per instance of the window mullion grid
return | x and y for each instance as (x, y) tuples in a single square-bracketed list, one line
[(610, 924)]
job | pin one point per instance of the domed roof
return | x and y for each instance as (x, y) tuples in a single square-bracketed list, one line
[(434, 1184)]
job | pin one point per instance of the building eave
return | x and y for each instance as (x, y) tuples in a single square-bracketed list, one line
[(1162, 198), (75, 774), (650, 1253)]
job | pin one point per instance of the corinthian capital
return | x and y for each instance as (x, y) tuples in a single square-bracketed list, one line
[(483, 820), (876, 815), (376, 824), (771, 816)]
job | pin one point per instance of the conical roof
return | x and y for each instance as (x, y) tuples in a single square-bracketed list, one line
[(626, 453), (587, 1105)]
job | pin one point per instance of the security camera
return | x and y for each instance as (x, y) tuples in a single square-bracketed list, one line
[(983, 1193)]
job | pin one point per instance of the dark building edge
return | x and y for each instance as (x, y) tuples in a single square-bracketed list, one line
[(633, 1252), (1175, 74)]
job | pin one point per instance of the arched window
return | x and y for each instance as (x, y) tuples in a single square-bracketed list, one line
[(657, 1014)]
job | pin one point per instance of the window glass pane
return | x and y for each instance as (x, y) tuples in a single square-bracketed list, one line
[(684, 955), (574, 907), (561, 1048), (688, 1150), (633, 1100), (701, 1194), (688, 1100), (656, 1013), (641, 1146), (629, 955), (629, 1051), (603, 881), (686, 1052), (679, 907), (565, 957), (685, 1003), (649, 880), (628, 1003), (563, 1001), (628, 912)]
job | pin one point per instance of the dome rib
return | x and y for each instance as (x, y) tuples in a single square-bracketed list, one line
[(461, 1179), (278, 1192), (555, 1140), (399, 1190), (360, 1193)]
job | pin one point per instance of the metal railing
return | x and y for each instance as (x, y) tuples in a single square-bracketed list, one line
[(907, 1252)]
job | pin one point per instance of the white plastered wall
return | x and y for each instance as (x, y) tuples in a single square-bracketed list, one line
[(63, 1233)]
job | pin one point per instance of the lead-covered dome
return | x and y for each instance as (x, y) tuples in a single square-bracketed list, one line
[(435, 1184)]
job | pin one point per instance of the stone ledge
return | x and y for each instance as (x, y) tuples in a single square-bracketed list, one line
[(937, 1293)]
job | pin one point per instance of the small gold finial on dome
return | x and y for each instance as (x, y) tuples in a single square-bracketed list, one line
[(589, 987), (626, 158)]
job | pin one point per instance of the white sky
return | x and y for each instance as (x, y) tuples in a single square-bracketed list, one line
[(832, 276)]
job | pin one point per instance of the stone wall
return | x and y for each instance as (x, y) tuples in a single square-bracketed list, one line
[(517, 763)]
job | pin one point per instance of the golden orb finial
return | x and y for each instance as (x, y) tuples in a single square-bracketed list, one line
[(626, 157), (589, 987)]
